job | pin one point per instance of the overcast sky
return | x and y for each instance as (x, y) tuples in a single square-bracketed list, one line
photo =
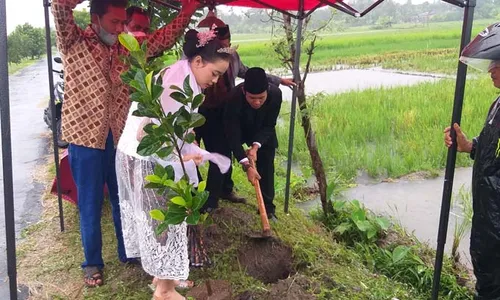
[(31, 11)]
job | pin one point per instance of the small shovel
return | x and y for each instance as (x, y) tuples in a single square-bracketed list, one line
[(266, 228)]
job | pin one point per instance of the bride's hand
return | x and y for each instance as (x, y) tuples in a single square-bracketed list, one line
[(197, 158)]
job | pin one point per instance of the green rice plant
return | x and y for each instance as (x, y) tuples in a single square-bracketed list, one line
[(389, 131), (463, 222)]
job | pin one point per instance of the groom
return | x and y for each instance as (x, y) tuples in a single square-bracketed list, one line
[(250, 118)]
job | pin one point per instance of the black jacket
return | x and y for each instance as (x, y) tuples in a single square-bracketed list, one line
[(244, 124)]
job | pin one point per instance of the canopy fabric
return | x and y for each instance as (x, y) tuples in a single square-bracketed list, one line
[(291, 5)]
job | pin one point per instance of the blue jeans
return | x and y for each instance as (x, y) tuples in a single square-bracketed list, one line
[(91, 169)]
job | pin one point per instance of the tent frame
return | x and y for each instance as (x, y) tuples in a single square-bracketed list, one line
[(300, 15)]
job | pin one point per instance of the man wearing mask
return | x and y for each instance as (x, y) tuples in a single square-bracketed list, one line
[(137, 21), (250, 118), (95, 109), (221, 185)]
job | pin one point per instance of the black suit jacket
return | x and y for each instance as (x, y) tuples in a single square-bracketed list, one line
[(244, 124)]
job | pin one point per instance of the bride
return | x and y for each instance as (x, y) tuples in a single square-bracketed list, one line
[(166, 257)]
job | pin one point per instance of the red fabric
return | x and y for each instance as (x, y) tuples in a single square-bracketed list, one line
[(279, 4), (68, 186)]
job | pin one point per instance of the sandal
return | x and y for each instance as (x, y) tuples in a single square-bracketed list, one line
[(92, 277)]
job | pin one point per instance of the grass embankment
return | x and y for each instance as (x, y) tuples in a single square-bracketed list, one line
[(49, 261)]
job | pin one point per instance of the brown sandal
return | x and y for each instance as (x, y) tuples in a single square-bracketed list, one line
[(92, 277)]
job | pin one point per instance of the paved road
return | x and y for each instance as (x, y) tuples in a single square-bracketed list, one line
[(28, 95)]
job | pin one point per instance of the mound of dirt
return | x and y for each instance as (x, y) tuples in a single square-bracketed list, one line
[(267, 260), (292, 288), (221, 290)]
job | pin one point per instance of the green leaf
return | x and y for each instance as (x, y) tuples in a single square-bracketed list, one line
[(144, 47), (193, 218), (176, 209), (202, 186), (179, 201), (356, 204), (156, 91), (151, 185), (165, 151), (154, 179), (150, 128), (190, 137), (342, 228), (358, 215), (329, 190), (384, 223), (149, 145), (148, 81), (179, 131), (203, 218), (399, 253), (179, 97), (371, 233), (157, 214), (161, 228), (129, 42), (140, 78), (364, 226), (159, 170), (170, 172), (197, 120), (338, 205), (176, 88), (200, 200), (197, 101), (174, 219), (187, 87)]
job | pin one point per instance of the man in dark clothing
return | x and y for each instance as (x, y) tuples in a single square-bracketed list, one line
[(221, 185), (485, 231), (250, 117)]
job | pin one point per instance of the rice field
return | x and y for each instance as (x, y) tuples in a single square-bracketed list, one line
[(388, 132)]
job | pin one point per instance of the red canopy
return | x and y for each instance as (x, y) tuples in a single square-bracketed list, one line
[(292, 5)]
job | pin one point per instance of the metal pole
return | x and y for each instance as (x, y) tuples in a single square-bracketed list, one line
[(46, 5), (452, 152), (8, 185), (296, 79)]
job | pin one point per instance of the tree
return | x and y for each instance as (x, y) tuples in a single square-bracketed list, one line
[(82, 18), (25, 42), (285, 48)]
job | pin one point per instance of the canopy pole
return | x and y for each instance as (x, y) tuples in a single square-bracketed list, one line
[(452, 151), (296, 79), (46, 5), (8, 185)]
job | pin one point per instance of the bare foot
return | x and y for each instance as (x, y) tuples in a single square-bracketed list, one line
[(168, 296)]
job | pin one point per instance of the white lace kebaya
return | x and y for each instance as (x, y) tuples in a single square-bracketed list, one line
[(165, 256)]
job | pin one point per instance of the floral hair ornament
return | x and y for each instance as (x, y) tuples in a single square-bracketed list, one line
[(228, 50), (206, 36)]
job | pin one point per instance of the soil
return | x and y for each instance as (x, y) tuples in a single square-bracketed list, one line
[(267, 260), (221, 290), (292, 288)]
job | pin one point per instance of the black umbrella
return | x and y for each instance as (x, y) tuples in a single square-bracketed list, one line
[(484, 51)]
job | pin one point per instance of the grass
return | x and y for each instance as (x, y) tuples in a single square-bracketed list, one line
[(14, 68), (49, 261), (388, 132), (414, 48)]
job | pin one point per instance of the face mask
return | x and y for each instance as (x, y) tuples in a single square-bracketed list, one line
[(106, 37)]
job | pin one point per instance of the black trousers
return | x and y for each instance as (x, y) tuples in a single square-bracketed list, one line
[(485, 254), (214, 139), (265, 167)]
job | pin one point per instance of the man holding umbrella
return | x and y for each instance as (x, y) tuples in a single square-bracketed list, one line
[(483, 53)]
